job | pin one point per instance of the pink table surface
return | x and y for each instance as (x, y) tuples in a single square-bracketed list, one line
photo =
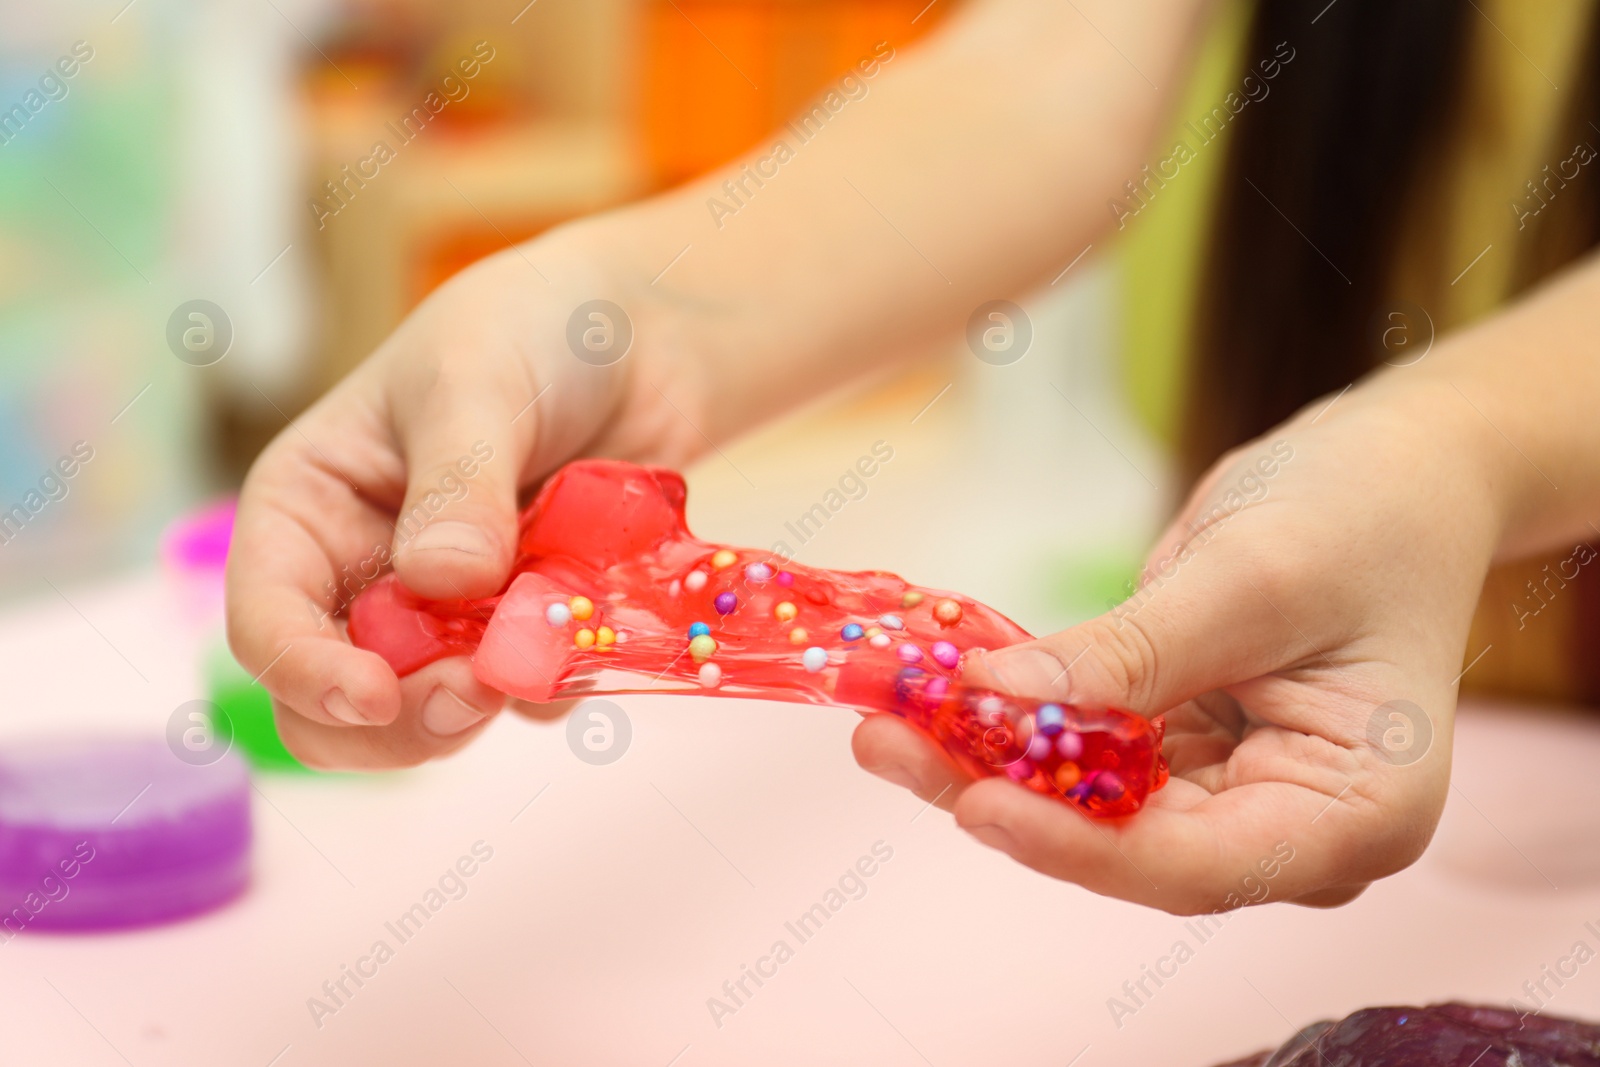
[(619, 898)]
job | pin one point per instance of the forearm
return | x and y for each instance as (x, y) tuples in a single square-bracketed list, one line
[(960, 171)]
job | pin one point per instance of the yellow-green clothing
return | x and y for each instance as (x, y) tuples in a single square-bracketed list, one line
[(1523, 55)]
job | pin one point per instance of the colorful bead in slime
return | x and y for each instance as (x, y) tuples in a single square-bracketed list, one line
[(611, 593)]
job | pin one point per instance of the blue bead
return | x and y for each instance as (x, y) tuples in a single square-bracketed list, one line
[(1052, 719), (698, 629), (852, 631)]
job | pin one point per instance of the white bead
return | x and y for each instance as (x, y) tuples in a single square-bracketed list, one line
[(695, 581), (710, 675), (675, 588), (558, 614), (891, 622), (879, 641), (990, 710), (814, 659)]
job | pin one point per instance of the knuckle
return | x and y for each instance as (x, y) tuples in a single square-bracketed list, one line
[(1276, 574), (1125, 654), (1279, 576), (454, 374)]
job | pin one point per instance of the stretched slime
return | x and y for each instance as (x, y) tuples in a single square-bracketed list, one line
[(611, 593)]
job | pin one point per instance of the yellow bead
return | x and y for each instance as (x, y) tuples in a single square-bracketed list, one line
[(583, 638), (797, 636), (785, 611), (605, 637), (911, 599), (582, 607), (723, 558), (702, 648), (873, 631)]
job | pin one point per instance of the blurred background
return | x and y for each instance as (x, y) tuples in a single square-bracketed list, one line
[(182, 159)]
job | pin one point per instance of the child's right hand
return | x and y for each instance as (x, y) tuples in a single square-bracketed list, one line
[(450, 394), (812, 286)]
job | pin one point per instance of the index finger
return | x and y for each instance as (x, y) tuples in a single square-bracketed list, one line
[(301, 529)]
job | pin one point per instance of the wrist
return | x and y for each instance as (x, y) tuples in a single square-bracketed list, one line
[(1457, 451), (663, 385), (1526, 382)]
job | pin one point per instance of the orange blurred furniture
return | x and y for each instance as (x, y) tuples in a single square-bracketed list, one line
[(720, 74), (560, 140)]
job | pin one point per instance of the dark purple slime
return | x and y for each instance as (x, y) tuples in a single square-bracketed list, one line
[(1443, 1035)]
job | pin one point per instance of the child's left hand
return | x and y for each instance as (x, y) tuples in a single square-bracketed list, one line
[(1305, 646)]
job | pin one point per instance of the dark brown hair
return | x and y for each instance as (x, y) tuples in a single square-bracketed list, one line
[(1321, 187)]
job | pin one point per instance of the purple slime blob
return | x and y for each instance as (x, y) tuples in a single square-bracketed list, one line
[(105, 833)]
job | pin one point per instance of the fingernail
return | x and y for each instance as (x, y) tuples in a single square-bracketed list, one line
[(451, 535), (445, 715), (338, 705), (897, 774), (995, 837), (1029, 672)]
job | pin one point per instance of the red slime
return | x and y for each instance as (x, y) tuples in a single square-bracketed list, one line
[(610, 590)]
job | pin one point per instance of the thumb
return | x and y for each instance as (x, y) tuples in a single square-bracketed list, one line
[(455, 535), (1202, 625)]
